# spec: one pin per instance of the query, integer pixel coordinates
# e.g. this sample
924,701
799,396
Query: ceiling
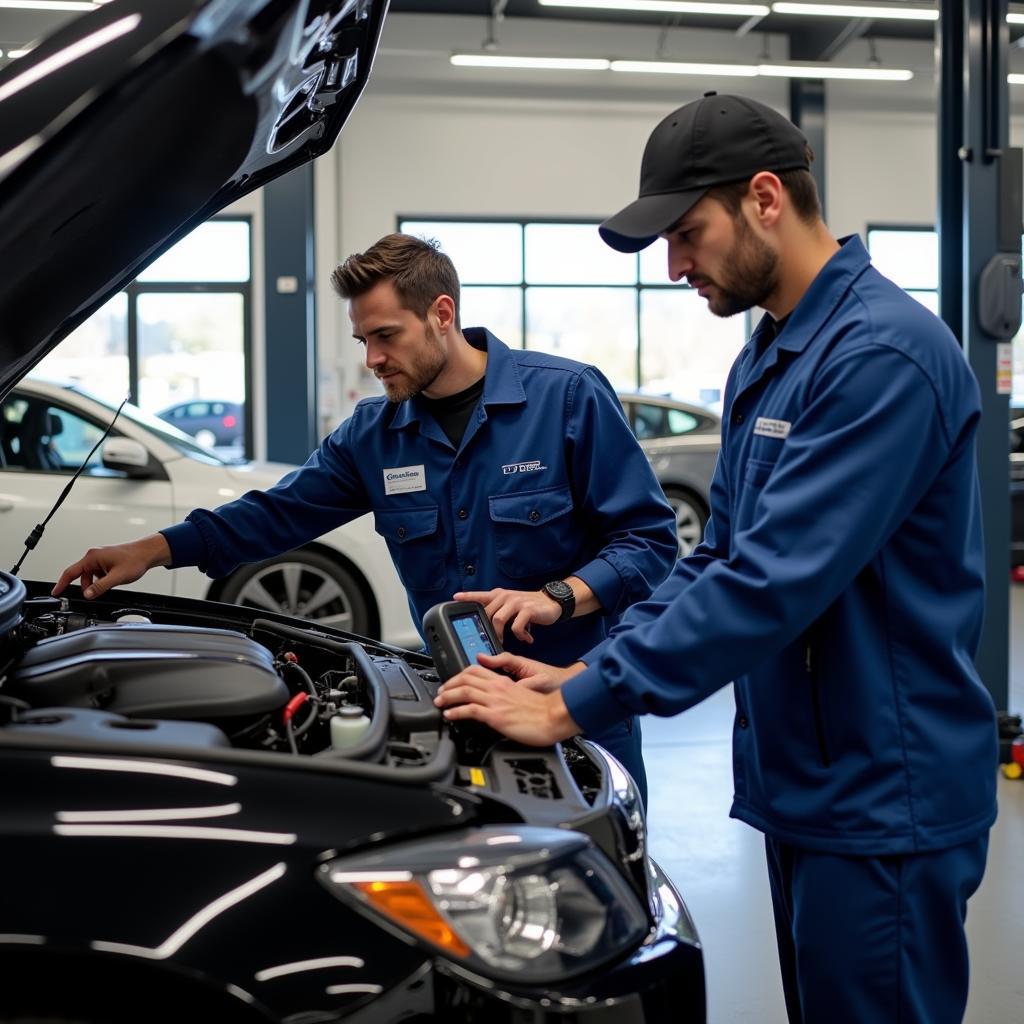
420,35
809,38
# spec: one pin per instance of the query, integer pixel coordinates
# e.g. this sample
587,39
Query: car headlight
530,903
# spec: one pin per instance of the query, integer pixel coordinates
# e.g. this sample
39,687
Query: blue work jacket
547,482
839,583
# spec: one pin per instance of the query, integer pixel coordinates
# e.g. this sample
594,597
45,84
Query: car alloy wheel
207,438
305,584
690,519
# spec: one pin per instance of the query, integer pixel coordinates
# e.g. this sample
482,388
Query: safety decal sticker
403,479
772,428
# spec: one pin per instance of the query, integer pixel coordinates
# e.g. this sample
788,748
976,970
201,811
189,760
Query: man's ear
767,191
444,309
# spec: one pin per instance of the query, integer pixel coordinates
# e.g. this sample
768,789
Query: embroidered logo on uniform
403,479
772,428
523,467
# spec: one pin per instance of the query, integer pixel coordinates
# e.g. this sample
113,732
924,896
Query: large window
910,257
177,339
556,287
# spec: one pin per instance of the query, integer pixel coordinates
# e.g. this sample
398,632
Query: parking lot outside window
180,333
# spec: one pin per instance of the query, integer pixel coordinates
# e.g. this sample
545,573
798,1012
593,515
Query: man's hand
103,568
522,714
518,608
534,675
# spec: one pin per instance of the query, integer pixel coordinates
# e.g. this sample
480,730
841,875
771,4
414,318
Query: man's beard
750,273
423,370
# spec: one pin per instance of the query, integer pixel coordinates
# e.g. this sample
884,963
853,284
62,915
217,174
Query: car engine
166,672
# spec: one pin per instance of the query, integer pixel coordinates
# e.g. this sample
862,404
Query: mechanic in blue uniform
839,583
509,477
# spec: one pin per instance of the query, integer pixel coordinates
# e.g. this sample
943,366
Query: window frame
639,287
244,288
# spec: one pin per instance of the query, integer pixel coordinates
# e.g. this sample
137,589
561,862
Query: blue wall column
290,316
976,227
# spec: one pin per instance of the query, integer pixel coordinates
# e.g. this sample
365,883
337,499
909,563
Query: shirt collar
502,384
826,291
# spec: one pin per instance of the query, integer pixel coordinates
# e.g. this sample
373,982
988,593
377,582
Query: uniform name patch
403,479
771,428
523,467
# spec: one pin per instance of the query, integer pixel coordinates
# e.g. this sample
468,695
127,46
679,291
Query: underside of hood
137,122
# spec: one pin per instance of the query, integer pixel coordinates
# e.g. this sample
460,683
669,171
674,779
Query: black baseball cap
711,141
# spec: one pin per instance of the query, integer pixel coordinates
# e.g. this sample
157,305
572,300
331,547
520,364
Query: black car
214,814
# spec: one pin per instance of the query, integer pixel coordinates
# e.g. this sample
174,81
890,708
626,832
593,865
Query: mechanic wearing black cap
839,583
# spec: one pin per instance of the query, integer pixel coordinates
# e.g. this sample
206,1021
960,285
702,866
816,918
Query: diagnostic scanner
456,632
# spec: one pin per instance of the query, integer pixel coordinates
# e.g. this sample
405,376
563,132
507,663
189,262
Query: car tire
207,438
690,518
305,584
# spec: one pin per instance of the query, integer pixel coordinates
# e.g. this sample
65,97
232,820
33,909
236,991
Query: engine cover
152,671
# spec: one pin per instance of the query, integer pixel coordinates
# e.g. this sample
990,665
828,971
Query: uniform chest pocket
416,548
535,533
755,474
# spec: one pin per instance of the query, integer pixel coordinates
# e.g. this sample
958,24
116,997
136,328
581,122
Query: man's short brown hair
416,267
799,183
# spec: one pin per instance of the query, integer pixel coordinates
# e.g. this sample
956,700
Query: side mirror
126,456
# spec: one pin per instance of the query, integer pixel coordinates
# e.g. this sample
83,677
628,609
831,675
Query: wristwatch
560,592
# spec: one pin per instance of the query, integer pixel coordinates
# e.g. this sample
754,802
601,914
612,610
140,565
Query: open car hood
134,123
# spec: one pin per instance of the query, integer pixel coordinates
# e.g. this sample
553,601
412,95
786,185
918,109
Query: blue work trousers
874,939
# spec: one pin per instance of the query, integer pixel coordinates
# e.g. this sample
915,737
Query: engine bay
175,673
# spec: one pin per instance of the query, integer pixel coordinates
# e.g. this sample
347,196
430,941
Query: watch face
559,590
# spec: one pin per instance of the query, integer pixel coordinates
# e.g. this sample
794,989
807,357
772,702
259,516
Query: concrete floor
718,865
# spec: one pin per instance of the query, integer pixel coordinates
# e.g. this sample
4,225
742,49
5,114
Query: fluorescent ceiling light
828,71
667,67
858,11
18,53
666,7
1015,19
1015,79
49,5
490,60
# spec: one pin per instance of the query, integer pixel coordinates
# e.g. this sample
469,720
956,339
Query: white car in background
147,475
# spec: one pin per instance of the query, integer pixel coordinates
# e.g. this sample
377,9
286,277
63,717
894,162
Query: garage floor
718,864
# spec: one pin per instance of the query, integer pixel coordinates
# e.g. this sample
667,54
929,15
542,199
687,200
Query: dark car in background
220,813
213,424
682,441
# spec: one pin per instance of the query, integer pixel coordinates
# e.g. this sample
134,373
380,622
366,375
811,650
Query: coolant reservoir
348,726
